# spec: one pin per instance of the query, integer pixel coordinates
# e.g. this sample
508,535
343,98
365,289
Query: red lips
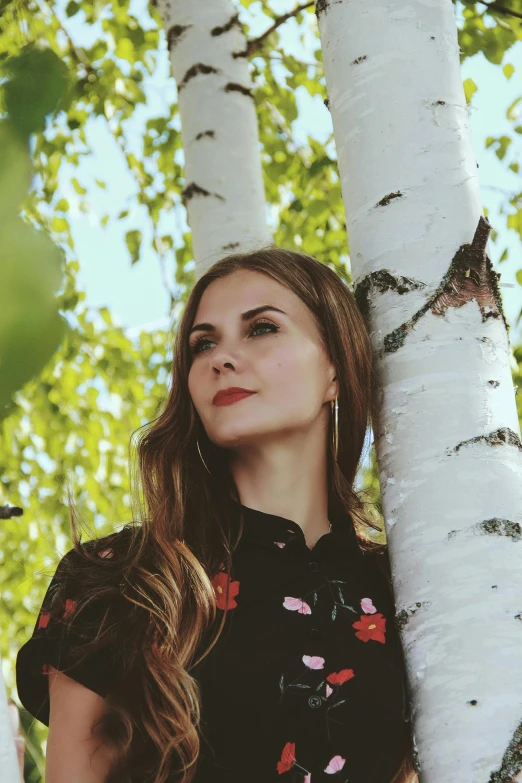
231,390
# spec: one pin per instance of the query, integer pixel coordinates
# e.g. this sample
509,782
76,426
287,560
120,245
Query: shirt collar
274,530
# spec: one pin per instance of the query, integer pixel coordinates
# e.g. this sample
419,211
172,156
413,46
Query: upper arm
73,754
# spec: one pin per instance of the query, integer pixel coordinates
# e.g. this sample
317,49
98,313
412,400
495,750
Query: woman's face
286,367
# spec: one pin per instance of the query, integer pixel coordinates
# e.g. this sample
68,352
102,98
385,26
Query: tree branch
501,9
255,43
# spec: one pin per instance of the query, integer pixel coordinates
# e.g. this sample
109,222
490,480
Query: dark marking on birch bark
321,7
359,59
195,190
402,618
382,281
470,276
232,22
230,246
175,34
491,527
501,437
327,103
495,384
511,761
386,199
193,71
234,87
210,133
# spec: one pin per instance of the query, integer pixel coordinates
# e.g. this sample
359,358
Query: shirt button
314,701
313,566
314,633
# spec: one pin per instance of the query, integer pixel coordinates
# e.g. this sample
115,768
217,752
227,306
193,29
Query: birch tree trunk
224,192
448,440
8,758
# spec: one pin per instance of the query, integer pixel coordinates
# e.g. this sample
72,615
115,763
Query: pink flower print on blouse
43,620
329,690
296,605
280,544
367,606
313,661
373,627
108,552
335,765
308,778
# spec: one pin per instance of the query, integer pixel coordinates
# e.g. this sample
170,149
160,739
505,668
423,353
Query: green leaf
511,114
133,240
72,8
470,88
78,188
508,70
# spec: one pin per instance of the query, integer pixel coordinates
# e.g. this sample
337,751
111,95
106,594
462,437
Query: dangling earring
335,426
201,455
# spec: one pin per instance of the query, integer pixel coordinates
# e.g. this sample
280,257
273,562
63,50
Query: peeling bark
497,527
470,277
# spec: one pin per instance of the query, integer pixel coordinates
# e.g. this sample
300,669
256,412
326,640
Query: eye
197,344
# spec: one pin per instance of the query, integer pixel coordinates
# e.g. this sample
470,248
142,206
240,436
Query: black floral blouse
306,683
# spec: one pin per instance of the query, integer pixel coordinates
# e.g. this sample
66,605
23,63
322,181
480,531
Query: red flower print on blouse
371,627
337,678
70,606
287,758
43,620
219,583
335,765
296,605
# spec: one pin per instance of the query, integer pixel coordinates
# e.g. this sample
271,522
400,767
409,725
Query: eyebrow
246,316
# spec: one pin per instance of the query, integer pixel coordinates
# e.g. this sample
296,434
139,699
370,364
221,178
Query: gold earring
335,427
201,455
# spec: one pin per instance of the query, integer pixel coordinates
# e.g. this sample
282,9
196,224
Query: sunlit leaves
133,241
470,88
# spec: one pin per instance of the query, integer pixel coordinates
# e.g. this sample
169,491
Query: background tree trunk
448,440
224,193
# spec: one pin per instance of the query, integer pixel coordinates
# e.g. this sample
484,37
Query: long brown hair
161,608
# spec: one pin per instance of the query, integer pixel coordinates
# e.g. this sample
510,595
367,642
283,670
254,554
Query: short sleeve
53,641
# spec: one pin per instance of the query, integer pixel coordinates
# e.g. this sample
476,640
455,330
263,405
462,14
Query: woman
244,629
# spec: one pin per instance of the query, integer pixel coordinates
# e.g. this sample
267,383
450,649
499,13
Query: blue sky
136,295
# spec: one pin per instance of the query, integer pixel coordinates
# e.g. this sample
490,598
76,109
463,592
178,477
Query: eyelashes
196,346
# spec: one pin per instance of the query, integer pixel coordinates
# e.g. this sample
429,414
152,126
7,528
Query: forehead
230,296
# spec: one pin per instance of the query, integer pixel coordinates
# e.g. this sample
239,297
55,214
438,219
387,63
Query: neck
287,484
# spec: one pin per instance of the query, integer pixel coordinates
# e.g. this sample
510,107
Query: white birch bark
224,192
9,769
448,439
